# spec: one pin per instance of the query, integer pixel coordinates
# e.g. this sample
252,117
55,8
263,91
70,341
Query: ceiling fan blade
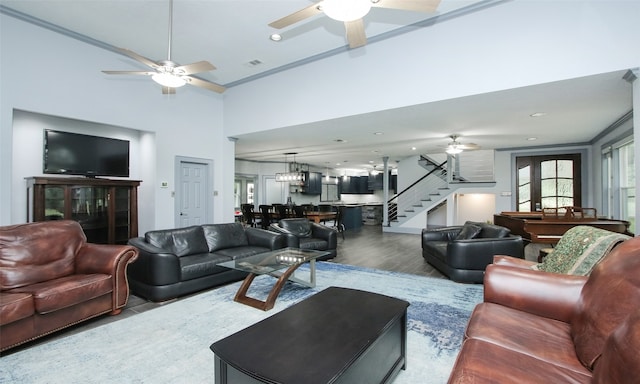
469,147
200,66
142,59
168,91
129,73
204,84
409,5
355,33
293,18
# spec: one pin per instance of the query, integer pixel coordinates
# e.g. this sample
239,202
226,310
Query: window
548,182
619,178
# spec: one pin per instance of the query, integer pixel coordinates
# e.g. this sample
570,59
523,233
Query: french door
550,181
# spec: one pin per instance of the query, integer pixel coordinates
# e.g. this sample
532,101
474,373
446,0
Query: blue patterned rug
170,344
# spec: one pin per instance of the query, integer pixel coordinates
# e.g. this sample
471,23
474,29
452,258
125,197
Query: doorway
194,181
548,182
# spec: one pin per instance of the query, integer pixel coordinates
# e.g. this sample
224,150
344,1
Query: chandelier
289,176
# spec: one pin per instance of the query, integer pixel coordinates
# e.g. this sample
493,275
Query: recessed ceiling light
378,133
275,37
532,138
370,161
413,148
340,141
538,114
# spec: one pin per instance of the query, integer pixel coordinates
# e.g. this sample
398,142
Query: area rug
170,344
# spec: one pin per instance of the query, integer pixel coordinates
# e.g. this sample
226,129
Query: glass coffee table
282,264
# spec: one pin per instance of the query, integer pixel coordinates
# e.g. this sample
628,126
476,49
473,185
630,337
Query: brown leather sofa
539,327
51,278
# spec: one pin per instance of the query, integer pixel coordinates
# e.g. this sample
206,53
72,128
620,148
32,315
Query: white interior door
192,193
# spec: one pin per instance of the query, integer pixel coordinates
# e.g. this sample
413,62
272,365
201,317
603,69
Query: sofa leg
115,312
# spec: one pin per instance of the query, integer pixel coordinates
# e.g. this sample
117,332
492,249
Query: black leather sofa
463,252
175,262
305,234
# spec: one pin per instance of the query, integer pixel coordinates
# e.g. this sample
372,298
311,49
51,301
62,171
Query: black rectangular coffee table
339,335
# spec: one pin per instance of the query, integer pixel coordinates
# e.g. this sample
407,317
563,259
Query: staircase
429,193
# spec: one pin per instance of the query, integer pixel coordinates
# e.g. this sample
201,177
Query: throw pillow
469,231
579,250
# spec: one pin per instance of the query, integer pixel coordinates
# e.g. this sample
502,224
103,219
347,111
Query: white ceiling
232,33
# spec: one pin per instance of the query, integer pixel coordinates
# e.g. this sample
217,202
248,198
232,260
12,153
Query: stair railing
417,191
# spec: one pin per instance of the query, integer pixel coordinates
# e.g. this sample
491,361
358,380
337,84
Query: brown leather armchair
543,327
51,278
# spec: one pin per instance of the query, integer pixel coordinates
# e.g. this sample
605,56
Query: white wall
513,44
510,45
47,73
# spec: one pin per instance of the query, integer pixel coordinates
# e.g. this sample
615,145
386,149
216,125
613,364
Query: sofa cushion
15,306
313,243
201,264
299,227
36,252
620,360
67,291
180,241
579,250
221,236
610,294
545,339
482,362
240,252
469,231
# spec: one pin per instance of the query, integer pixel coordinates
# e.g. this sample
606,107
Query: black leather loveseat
305,234
463,252
174,262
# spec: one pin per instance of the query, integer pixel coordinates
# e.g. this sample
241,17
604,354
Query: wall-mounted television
85,155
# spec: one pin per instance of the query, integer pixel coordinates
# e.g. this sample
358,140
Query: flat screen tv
75,154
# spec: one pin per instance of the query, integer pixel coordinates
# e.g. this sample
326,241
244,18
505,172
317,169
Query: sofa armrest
323,232
447,234
111,260
263,238
154,266
513,261
540,293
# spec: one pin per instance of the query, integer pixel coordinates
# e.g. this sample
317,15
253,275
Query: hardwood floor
367,247
372,248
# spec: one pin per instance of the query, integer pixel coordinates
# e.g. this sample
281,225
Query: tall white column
632,77
385,188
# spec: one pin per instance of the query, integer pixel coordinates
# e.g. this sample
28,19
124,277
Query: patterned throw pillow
579,250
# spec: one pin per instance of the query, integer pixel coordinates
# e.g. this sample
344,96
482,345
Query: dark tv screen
76,154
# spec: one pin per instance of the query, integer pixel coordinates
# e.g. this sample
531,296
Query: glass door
548,182
54,203
89,207
122,214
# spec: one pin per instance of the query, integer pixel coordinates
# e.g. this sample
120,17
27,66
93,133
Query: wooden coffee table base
241,296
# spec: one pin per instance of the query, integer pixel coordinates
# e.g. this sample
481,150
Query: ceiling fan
351,13
456,147
167,72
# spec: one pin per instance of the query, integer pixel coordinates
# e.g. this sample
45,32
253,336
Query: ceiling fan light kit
168,73
351,13
346,10
168,80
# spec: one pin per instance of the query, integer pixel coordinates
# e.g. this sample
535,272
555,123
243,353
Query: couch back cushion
299,227
611,293
180,241
37,252
222,236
